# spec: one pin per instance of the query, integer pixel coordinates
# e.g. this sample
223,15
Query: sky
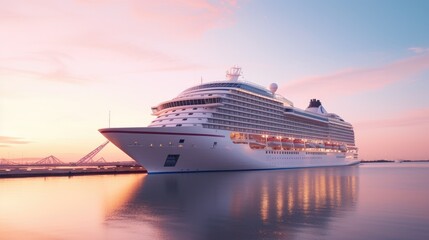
65,64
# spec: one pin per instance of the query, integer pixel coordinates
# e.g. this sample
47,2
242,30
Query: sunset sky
64,64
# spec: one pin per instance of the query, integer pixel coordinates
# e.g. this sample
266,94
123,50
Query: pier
38,171
52,166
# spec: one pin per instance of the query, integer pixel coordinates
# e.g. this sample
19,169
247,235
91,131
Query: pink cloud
48,66
184,18
59,75
163,20
98,34
352,81
415,117
8,141
419,50
151,59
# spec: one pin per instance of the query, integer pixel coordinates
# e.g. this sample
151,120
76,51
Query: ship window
183,109
171,160
181,140
177,114
174,110
195,108
184,119
178,125
190,113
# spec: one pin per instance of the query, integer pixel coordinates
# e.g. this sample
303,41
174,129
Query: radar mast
233,73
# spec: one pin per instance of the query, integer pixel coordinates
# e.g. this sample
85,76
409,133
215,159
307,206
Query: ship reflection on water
231,205
356,202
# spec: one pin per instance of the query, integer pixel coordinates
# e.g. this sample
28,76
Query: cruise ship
234,125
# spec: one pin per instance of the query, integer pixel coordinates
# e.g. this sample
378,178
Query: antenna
109,118
201,80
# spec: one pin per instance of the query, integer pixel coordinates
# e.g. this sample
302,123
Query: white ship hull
195,149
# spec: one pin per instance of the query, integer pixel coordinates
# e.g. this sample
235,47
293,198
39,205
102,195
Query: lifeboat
320,145
256,145
256,141
274,142
329,145
287,143
333,146
298,143
310,145
238,138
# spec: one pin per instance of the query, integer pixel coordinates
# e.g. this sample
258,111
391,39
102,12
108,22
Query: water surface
370,201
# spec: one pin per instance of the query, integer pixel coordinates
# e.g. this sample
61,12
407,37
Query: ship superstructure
236,125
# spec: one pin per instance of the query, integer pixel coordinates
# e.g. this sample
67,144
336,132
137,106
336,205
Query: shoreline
393,161
24,171
57,171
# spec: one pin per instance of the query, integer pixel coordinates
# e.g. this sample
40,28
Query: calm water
372,201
